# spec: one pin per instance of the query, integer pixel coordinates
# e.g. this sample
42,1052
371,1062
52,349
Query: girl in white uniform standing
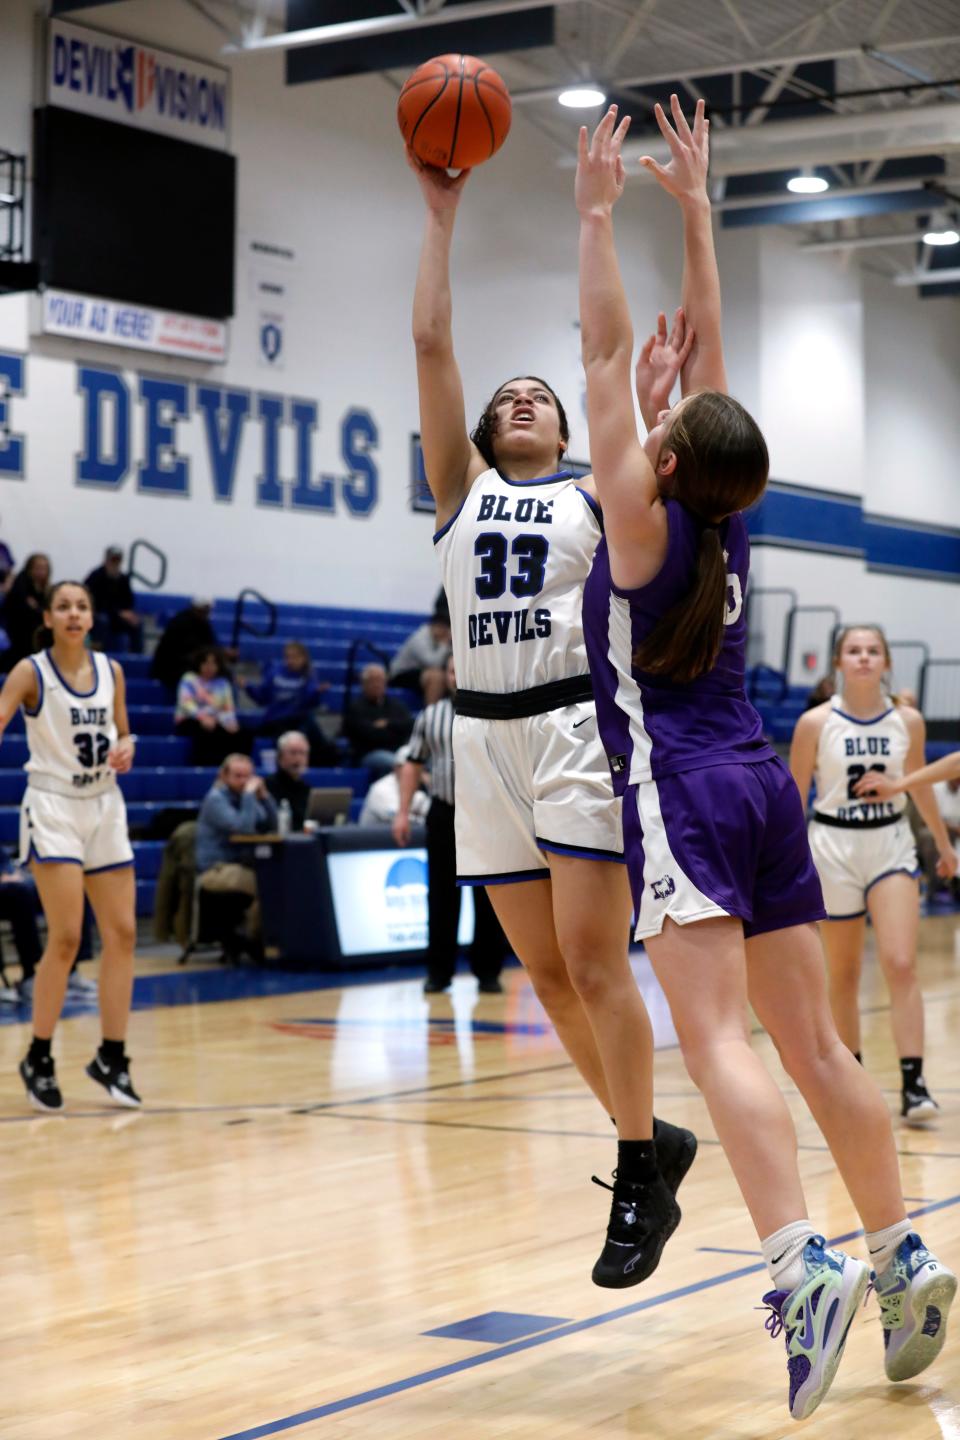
73,834
536,820
863,847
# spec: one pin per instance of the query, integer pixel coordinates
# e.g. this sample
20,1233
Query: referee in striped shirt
432,742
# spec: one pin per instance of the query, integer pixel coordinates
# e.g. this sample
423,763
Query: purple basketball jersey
652,725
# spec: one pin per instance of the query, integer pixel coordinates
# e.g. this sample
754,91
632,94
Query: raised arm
634,519
661,360
685,178
450,460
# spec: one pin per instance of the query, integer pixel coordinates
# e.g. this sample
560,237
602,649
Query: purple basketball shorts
724,840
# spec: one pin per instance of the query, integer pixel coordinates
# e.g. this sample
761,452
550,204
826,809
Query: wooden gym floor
353,1212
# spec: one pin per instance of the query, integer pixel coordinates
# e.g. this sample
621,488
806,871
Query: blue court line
719,1250
455,1367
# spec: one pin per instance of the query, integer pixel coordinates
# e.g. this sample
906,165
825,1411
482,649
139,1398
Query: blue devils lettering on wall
358,436
305,494
270,412
11,445
163,471
108,454
223,433
105,457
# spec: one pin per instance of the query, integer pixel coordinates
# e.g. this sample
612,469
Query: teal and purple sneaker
816,1317
915,1293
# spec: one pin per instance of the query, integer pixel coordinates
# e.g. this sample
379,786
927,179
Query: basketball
454,112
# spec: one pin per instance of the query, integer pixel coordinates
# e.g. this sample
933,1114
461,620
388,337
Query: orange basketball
454,112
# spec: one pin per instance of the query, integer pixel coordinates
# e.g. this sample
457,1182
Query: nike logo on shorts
578,723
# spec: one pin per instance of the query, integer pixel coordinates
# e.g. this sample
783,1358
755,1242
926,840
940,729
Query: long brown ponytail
686,640
721,467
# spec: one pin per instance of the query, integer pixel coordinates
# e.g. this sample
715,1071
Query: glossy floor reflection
356,1212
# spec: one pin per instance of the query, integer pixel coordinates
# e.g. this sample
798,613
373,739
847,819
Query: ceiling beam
929,277
732,66
389,25
865,242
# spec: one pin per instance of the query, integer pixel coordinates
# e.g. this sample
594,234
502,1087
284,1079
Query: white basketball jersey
848,748
70,734
514,560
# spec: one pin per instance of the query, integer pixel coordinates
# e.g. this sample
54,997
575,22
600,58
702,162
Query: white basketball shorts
849,862
528,787
90,831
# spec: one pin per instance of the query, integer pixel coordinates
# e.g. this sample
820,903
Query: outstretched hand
600,172
685,176
661,360
440,190
876,786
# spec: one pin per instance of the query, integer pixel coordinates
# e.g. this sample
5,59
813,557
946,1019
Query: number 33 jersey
847,749
70,734
514,559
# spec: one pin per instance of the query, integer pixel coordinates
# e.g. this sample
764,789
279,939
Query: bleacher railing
758,650
939,695
355,647
240,621
909,658
135,574
794,621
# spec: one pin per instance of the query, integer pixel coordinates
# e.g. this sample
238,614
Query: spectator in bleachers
290,693
116,624
185,634
237,804
287,782
23,607
376,724
6,567
382,801
420,662
206,711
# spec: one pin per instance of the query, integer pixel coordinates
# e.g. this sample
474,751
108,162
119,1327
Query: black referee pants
443,908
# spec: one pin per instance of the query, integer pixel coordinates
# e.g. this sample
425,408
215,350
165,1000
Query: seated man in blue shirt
237,804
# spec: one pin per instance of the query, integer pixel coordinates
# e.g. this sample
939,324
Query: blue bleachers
162,778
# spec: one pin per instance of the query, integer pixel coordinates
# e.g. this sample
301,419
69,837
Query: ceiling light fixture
941,237
807,183
588,97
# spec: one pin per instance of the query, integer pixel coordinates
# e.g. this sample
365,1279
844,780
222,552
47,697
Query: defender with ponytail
725,889
721,466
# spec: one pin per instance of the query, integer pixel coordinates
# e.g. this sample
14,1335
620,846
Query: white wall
913,399
837,371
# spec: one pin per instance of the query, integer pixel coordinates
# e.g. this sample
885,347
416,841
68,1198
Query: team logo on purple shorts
663,888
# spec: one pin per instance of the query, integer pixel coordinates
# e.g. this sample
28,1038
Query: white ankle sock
882,1244
783,1252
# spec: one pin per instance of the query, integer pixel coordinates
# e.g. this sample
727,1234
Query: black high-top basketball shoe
676,1149
643,1216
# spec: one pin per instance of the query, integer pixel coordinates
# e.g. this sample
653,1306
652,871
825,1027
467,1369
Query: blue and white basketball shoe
816,1317
915,1293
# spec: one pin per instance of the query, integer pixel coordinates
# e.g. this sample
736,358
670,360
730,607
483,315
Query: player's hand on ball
685,175
441,191
120,757
600,171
